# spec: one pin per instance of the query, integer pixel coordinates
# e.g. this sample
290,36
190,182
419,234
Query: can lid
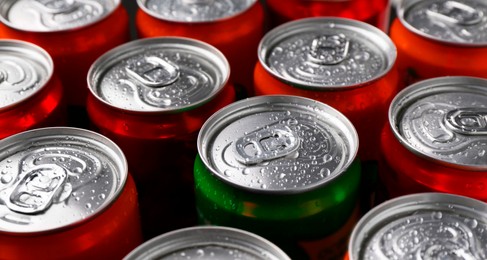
327,53
24,70
445,120
277,144
54,16
54,178
422,226
459,22
194,11
208,242
159,74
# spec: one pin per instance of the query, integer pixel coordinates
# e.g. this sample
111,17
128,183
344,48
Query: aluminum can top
445,120
277,144
459,22
327,53
208,242
195,11
422,226
165,74
54,16
24,70
54,178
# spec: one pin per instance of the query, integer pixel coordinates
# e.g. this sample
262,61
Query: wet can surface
344,63
235,27
31,93
436,139
65,193
422,226
208,243
283,167
151,97
75,33
437,38
375,12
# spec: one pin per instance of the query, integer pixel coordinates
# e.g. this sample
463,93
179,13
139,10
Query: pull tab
266,144
57,6
329,49
36,190
470,121
455,13
154,72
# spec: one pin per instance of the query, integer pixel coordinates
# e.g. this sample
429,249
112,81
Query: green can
283,167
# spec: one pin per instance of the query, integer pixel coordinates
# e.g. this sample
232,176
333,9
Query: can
440,38
283,167
151,96
422,226
436,138
207,242
74,32
235,27
65,194
346,64
375,12
31,93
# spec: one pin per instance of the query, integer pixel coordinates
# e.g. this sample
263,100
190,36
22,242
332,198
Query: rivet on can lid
459,22
24,70
327,53
54,15
192,11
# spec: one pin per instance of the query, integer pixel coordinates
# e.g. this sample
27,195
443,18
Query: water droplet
6,179
246,171
473,223
437,215
102,196
327,158
77,170
88,205
227,173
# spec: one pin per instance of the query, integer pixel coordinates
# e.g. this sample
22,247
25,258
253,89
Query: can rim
115,151
18,44
423,88
288,29
403,8
125,50
237,110
397,207
7,4
142,6
204,236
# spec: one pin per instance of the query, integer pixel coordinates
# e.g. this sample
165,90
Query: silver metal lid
192,11
208,242
461,22
277,144
444,120
53,178
327,53
24,70
54,15
159,74
422,226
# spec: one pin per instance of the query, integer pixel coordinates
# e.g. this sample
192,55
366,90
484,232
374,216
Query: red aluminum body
237,37
374,12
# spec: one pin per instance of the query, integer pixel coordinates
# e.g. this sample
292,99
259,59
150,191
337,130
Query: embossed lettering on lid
24,70
159,74
444,119
52,178
327,53
195,10
462,22
278,144
54,15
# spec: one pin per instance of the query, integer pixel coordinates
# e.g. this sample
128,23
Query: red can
436,139
151,97
344,63
31,93
374,12
235,27
75,33
440,38
66,194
